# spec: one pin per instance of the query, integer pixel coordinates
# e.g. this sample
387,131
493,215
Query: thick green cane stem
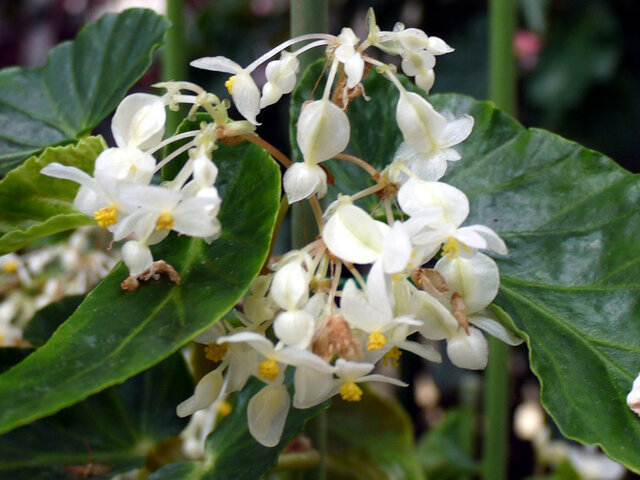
174,65
502,90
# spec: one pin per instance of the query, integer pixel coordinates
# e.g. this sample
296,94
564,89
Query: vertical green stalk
174,66
502,90
309,16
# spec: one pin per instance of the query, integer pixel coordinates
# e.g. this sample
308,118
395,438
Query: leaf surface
33,205
82,82
115,334
571,281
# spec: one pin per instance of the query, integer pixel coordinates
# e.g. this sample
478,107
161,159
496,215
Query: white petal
356,308
270,94
217,64
633,398
323,131
476,278
425,80
352,235
417,195
418,121
205,172
302,358
396,249
490,239
294,328
425,351
384,379
352,371
290,286
266,414
468,351
302,180
311,387
246,96
437,46
125,164
206,392
429,167
493,327
438,322
414,62
139,121
136,256
456,131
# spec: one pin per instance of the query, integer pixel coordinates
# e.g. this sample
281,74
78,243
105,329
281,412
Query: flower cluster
120,194
427,278
33,280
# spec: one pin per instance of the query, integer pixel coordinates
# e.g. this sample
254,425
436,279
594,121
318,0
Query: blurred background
579,76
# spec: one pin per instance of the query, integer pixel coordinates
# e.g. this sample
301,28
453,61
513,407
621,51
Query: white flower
266,414
281,78
323,131
125,165
206,392
136,256
347,54
243,90
304,179
139,121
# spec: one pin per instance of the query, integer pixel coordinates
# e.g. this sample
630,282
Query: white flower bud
281,78
468,351
137,257
294,328
290,286
302,180
323,131
139,121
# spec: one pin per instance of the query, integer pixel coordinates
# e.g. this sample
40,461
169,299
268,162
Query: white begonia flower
591,464
259,306
322,131
243,90
206,392
347,54
97,197
266,414
162,210
139,121
633,398
136,256
353,236
290,285
428,132
419,64
302,180
281,78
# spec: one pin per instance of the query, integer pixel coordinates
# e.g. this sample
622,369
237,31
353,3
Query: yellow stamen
106,216
376,340
224,409
215,352
392,356
229,84
10,267
165,221
452,247
268,369
350,392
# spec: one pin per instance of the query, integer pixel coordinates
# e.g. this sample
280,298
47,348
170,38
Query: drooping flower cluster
427,278
36,278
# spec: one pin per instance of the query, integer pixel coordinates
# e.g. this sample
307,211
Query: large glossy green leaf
108,433
371,440
115,334
231,451
33,206
571,281
82,82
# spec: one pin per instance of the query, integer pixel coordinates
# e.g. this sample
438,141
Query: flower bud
323,131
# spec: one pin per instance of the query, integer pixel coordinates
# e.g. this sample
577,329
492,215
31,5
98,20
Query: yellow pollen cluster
229,84
268,369
452,247
165,221
392,356
350,392
106,216
224,408
376,340
215,352
10,267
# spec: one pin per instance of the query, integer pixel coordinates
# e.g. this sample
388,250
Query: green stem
502,90
174,66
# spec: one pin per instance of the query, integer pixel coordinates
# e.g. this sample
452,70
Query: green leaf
82,82
115,334
231,451
35,205
571,281
440,450
371,440
108,433
46,321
